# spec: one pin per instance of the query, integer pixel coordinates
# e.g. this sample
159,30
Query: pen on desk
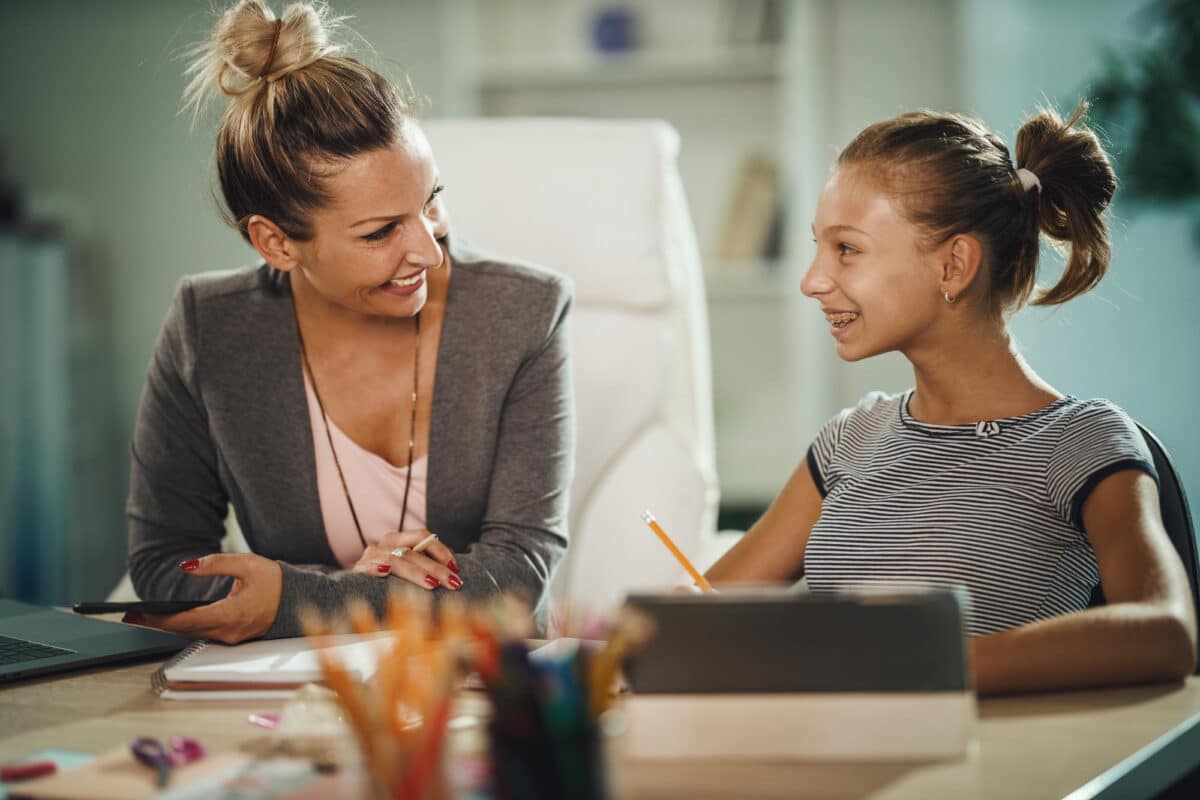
700,580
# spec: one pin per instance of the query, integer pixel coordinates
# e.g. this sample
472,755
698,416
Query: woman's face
878,288
373,243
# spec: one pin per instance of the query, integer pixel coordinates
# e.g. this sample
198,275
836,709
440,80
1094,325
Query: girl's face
373,243
879,289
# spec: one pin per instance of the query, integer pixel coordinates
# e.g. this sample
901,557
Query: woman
373,381
983,475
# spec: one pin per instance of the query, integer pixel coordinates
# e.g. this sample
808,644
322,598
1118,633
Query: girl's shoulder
874,409
875,403
870,416
1099,419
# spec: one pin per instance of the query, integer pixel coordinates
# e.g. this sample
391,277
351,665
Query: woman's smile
403,287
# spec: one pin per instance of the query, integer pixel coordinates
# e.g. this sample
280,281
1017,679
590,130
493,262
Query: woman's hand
432,568
245,613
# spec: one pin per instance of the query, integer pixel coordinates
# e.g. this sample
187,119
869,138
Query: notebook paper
265,669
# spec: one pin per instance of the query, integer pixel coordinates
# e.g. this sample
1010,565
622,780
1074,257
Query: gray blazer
224,419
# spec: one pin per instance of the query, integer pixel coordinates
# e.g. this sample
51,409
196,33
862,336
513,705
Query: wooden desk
1107,744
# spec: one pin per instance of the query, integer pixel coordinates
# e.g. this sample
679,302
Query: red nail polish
455,582
383,569
190,565
432,581
453,567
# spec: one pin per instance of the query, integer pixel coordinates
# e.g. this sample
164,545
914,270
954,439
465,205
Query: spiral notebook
265,669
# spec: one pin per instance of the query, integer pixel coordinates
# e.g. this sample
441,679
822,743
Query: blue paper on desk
253,780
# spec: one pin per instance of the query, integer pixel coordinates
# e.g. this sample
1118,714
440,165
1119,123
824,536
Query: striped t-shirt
994,506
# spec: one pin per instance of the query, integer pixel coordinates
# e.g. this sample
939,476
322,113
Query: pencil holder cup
529,766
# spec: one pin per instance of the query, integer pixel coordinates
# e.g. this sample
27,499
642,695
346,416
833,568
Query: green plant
1148,104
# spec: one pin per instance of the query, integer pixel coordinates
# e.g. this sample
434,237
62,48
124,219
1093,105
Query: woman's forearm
488,568
518,562
155,552
1124,643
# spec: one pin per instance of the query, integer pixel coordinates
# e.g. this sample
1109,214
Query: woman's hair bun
297,105
250,47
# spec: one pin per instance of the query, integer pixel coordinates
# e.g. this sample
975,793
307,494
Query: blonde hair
952,175
297,109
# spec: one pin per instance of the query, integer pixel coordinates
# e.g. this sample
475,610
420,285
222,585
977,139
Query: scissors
179,750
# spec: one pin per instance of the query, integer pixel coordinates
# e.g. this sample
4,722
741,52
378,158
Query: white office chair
602,201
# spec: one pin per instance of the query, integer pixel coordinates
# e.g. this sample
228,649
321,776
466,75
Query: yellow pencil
700,580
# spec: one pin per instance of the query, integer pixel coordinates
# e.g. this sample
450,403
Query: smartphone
140,607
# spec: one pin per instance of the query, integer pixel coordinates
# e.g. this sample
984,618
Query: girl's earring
949,299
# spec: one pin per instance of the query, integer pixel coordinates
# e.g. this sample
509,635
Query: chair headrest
588,198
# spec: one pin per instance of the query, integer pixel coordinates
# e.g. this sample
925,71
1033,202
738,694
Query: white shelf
624,69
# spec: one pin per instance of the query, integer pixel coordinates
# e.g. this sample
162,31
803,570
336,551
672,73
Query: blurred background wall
114,198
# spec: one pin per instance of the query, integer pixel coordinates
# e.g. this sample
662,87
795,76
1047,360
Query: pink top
375,485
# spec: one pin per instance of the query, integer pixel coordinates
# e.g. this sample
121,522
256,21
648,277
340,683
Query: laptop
37,641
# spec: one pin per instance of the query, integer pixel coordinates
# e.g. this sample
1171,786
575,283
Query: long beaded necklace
412,427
